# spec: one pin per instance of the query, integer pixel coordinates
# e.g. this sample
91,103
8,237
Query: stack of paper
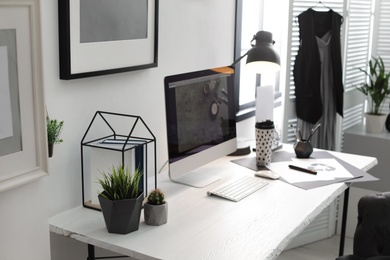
327,169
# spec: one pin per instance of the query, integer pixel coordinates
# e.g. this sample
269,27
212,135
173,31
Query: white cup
264,139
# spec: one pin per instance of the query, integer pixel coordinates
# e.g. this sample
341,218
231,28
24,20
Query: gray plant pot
156,215
121,216
375,123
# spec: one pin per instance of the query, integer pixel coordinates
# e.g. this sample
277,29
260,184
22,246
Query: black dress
318,75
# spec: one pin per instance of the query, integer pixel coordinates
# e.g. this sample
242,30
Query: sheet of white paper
330,167
6,129
293,176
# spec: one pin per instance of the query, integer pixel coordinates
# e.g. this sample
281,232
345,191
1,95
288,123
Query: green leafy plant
120,184
377,86
156,197
54,129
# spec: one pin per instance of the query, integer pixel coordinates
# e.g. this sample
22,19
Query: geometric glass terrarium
113,139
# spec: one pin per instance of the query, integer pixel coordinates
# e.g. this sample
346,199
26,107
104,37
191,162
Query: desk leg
91,252
344,222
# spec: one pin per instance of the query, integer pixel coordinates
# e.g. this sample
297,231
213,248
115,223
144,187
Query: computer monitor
201,123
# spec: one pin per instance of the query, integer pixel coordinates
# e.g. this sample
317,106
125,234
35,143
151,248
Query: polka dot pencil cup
264,139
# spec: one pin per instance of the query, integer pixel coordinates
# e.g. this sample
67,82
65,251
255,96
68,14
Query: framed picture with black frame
23,140
100,37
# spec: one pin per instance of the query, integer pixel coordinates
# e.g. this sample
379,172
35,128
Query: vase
121,216
156,215
375,123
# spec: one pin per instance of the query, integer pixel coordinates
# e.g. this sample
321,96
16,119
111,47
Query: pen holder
303,149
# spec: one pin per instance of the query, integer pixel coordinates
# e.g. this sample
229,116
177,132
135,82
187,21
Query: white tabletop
202,227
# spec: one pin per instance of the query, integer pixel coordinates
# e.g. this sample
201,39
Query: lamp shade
263,57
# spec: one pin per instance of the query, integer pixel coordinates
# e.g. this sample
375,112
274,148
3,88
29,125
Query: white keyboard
238,189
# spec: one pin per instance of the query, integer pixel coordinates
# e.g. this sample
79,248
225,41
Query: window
253,16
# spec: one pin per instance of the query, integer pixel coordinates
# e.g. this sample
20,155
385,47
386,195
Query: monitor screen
201,122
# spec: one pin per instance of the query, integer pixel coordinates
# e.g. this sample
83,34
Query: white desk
201,227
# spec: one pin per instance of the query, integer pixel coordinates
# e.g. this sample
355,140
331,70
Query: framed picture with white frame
100,37
23,141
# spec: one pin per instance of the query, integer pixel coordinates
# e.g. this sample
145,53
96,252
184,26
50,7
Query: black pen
302,169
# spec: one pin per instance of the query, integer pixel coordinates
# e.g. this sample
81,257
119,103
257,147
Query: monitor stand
198,178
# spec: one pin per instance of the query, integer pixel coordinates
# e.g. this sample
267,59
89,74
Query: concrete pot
375,123
156,215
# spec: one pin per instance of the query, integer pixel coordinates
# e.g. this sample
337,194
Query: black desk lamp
262,57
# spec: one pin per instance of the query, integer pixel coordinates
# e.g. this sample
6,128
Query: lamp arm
236,61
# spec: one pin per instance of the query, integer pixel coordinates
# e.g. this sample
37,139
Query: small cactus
156,197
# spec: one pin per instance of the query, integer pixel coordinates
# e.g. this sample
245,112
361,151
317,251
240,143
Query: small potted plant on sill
121,199
156,208
54,129
376,89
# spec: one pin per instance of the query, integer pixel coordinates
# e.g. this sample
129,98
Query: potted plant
121,199
376,89
54,129
156,208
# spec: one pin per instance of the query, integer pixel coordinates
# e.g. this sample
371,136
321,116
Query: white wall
24,230
193,35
